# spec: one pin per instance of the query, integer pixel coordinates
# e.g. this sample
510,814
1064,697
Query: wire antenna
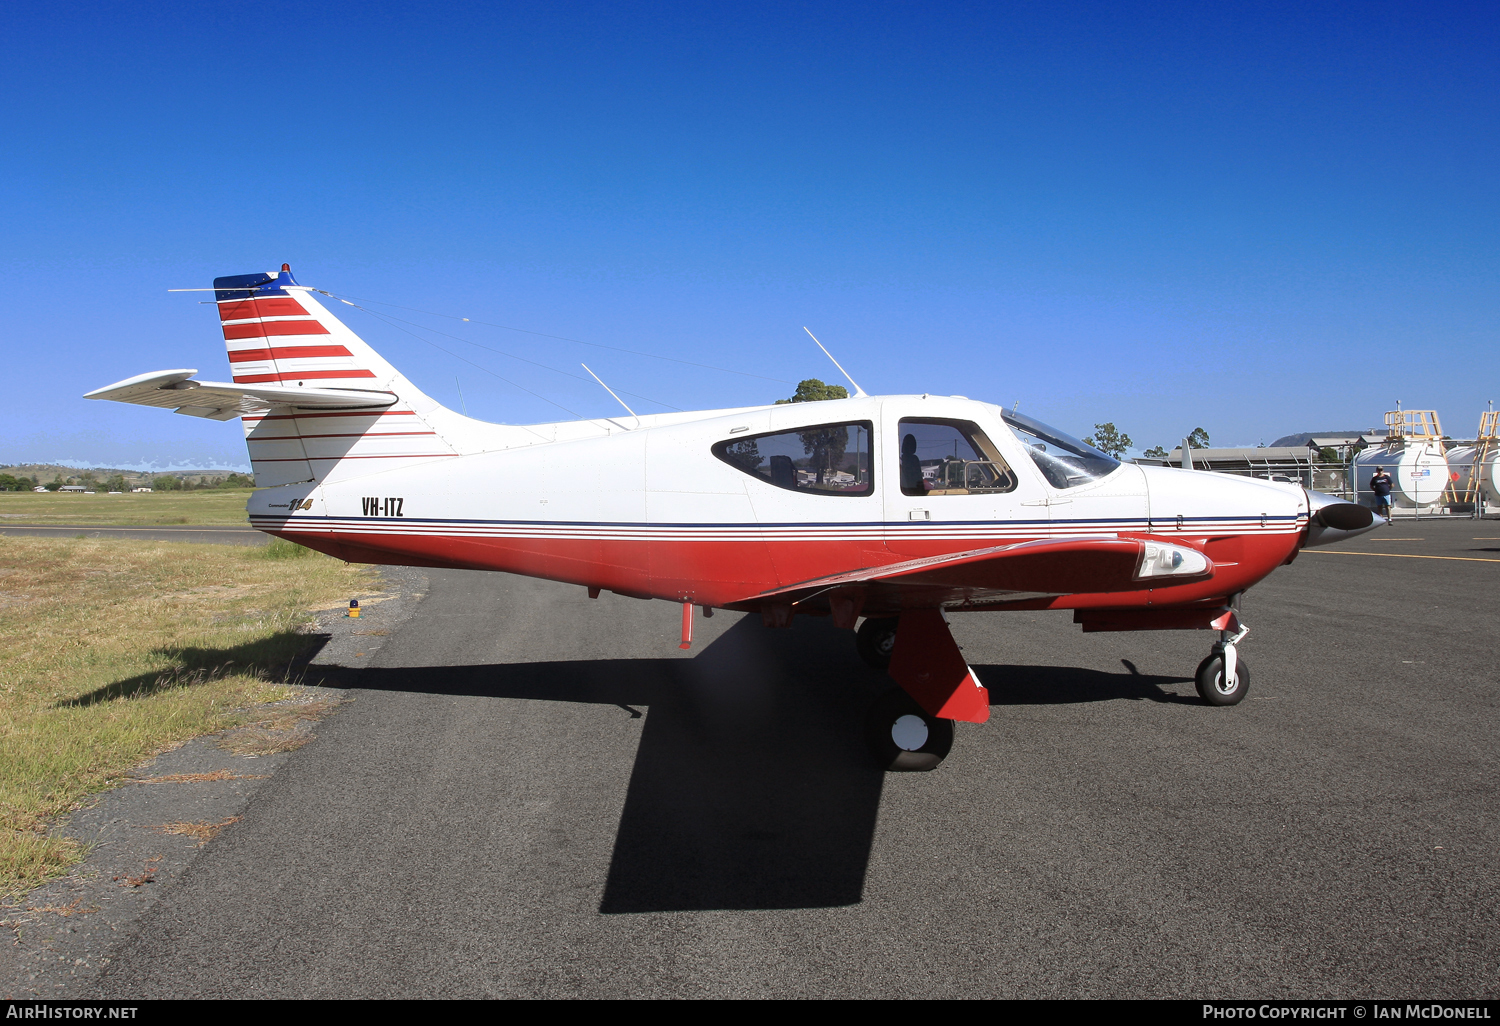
859,393
611,391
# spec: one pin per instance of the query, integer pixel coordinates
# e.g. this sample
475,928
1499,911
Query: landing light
1171,561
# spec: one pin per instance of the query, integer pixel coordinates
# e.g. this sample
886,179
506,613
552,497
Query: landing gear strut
910,727
1223,678
903,737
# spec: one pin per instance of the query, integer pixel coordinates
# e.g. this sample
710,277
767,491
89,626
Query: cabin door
949,488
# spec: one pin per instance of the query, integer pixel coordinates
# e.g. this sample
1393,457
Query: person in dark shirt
1380,484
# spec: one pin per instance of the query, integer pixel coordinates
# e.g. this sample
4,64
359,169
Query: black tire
884,721
1210,681
875,639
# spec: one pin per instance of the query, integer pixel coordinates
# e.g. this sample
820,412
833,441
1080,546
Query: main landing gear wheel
903,737
1211,684
875,639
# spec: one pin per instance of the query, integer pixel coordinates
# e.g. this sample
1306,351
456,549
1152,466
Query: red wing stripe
392,456
285,353
263,329
342,413
250,379
357,434
276,306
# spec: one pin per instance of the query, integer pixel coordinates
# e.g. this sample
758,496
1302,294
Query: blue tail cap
251,286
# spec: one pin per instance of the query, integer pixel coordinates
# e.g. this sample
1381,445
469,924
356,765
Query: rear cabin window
950,457
827,459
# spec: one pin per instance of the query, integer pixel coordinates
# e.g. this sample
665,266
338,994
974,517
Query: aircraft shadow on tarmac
1068,685
752,787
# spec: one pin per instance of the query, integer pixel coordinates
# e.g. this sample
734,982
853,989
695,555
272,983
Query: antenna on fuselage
611,391
859,393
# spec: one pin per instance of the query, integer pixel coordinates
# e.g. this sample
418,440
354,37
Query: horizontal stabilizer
219,400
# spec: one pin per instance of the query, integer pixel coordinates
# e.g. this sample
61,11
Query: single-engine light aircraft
886,513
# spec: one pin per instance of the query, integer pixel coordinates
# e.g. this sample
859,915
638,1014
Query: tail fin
318,404
280,336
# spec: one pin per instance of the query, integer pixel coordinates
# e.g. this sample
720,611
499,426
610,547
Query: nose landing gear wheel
1211,685
903,737
875,639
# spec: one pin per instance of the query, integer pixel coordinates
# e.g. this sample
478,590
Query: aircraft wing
219,400
1061,566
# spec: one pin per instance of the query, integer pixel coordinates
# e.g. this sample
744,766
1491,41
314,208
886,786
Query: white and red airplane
894,510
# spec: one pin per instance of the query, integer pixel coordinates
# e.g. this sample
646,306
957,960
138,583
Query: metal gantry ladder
1485,444
1413,425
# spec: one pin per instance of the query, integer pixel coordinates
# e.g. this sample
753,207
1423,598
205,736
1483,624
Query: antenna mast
859,393
611,391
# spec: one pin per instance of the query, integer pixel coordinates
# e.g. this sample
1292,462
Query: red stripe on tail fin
285,353
275,306
264,329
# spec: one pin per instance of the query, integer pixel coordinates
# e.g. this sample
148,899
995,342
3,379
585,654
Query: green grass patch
113,651
209,508
280,548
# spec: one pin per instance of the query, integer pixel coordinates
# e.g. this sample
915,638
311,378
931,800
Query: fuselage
720,507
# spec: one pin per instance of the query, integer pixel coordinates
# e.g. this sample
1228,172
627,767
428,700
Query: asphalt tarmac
538,795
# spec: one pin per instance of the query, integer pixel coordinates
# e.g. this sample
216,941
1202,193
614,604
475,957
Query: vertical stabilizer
278,334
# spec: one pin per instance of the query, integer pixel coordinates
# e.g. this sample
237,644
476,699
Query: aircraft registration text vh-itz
886,513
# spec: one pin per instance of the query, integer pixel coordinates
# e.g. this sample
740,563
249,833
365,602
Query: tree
57,482
115,483
167,484
1156,452
812,390
826,447
1198,439
1109,440
744,454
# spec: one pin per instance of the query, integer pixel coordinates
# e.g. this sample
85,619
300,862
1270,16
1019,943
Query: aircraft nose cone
1333,519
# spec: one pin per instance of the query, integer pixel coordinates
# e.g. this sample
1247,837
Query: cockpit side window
950,457
1063,460
826,459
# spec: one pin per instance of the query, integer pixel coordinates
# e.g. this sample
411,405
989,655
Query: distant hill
46,472
1302,438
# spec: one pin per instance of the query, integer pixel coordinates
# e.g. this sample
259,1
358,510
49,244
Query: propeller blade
1345,516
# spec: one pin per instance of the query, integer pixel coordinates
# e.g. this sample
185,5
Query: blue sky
1258,218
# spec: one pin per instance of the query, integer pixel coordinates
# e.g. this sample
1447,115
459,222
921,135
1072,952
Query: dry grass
203,832
198,778
74,909
113,651
149,876
206,508
287,728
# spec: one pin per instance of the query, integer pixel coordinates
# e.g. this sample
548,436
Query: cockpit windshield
1063,460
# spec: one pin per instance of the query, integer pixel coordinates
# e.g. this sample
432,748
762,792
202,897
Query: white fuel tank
1419,472
1461,470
